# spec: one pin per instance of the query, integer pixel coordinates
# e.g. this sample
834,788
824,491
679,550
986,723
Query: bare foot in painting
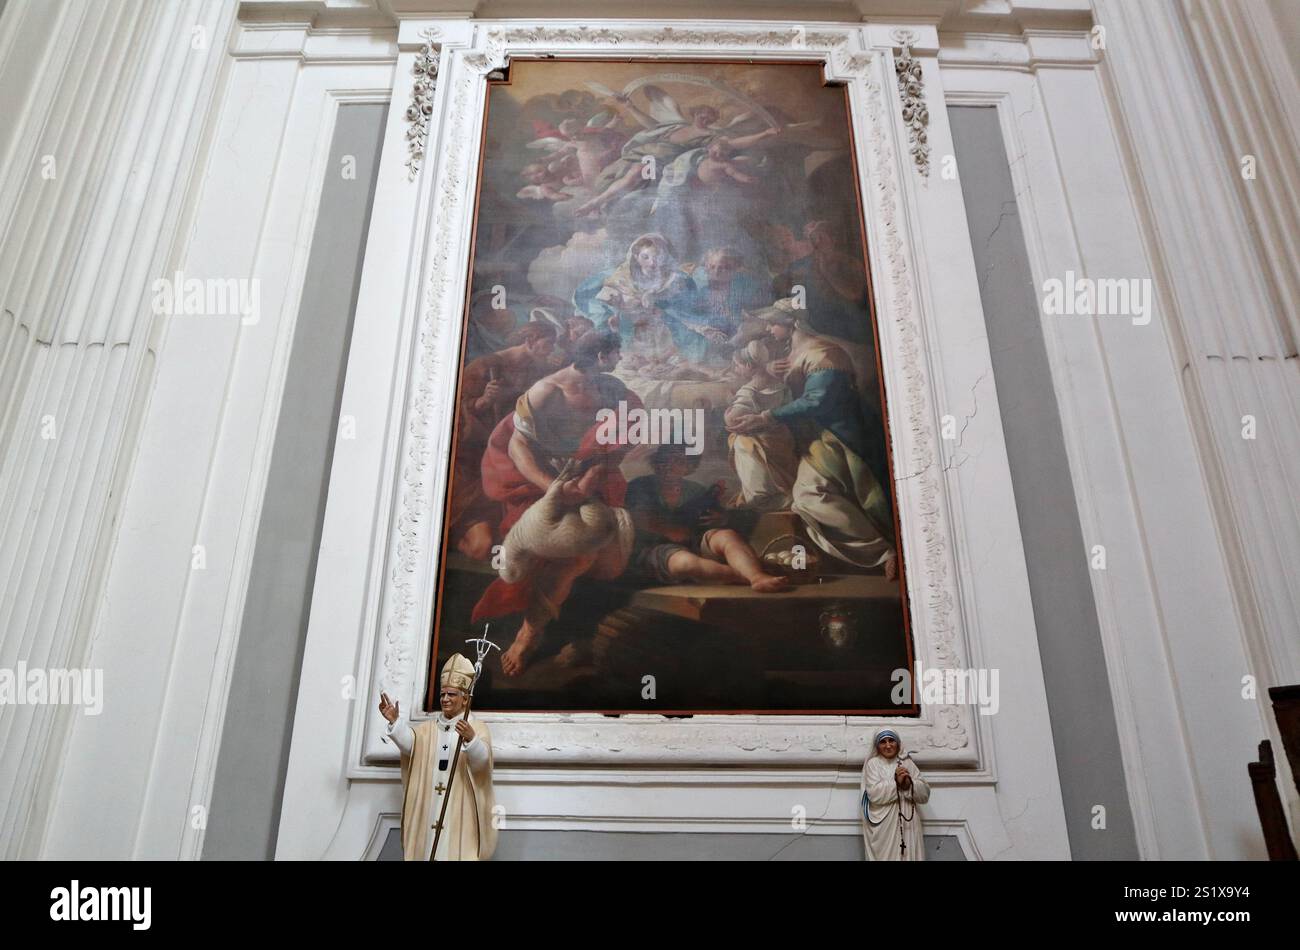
891,567
526,642
742,562
767,584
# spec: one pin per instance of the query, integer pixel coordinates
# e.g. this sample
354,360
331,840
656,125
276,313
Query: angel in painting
573,154
666,135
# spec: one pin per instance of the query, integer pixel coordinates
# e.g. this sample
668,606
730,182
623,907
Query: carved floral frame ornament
942,735
911,92
425,71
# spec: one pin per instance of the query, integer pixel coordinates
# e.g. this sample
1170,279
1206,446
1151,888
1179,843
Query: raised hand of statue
465,730
902,777
387,708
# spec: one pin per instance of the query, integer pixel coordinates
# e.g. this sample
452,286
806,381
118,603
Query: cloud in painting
558,270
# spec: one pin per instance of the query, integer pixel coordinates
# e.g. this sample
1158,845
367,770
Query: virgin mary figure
892,787
651,302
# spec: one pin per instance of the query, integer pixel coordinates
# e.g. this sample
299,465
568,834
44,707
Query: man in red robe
490,387
554,422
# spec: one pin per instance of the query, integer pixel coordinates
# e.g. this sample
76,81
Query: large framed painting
670,475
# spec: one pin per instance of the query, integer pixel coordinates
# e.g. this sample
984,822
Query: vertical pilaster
94,174
1193,98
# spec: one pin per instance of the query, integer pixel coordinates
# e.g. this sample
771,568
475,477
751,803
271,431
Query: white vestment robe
882,812
469,833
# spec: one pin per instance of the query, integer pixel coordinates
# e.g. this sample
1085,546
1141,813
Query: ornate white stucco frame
372,601
944,734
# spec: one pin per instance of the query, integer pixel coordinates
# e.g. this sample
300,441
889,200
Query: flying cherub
573,154
667,133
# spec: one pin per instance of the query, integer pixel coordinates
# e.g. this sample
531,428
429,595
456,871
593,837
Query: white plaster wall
166,633
1089,148
104,108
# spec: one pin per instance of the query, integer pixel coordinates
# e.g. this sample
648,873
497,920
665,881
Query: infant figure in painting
892,787
721,162
764,460
841,485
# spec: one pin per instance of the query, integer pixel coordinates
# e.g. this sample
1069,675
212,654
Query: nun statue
892,787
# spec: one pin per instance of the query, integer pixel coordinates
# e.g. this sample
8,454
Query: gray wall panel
1069,637
244,812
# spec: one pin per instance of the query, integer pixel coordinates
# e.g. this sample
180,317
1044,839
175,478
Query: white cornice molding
1011,16
963,33
303,41
1025,52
